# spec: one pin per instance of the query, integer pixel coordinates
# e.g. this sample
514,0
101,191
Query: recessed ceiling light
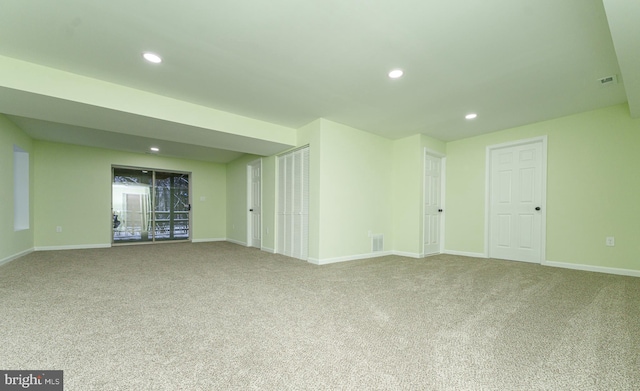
152,57
471,116
154,149
396,73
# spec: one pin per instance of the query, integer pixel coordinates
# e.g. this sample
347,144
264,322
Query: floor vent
377,243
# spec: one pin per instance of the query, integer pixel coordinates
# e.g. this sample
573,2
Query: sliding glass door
172,207
150,205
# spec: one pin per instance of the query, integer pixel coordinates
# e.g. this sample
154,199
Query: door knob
439,210
250,210
537,208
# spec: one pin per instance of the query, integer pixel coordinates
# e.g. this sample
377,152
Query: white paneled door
254,173
293,204
516,201
432,204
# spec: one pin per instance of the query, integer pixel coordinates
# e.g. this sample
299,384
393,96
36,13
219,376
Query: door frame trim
543,180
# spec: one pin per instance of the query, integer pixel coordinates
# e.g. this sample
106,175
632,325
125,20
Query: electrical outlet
59,228
611,241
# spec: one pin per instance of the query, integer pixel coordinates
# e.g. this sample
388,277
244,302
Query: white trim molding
206,240
408,254
327,261
72,247
591,268
15,256
237,242
269,250
465,254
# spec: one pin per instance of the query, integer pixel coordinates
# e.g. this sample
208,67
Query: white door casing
254,198
432,206
517,200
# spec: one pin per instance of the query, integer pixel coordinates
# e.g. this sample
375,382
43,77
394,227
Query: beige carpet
218,316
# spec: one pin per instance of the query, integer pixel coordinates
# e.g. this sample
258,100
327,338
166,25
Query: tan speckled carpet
218,316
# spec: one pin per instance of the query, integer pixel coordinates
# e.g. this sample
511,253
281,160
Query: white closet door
304,210
293,204
255,204
516,196
301,207
432,204
282,201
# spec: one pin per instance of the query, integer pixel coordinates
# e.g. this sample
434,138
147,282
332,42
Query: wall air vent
608,81
377,243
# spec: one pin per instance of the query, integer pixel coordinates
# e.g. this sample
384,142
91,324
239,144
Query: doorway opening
150,206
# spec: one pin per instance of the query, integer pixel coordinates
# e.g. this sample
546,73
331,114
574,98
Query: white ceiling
289,62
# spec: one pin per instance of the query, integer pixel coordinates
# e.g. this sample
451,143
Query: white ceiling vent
608,81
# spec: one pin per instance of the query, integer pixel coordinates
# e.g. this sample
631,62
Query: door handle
537,208
440,210
250,210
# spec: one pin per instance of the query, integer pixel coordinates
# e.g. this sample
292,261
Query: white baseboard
237,242
15,256
207,240
591,268
73,247
327,261
407,254
565,265
465,254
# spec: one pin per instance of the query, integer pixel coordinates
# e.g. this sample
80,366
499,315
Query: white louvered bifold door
293,204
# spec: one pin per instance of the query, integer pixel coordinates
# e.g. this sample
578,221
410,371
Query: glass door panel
172,208
131,205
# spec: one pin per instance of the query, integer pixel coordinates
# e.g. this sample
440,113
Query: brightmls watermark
31,380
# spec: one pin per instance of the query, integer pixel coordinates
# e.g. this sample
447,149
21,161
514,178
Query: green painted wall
73,190
350,175
593,188
13,242
355,191
310,135
269,203
433,145
408,157
237,193
359,183
407,195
